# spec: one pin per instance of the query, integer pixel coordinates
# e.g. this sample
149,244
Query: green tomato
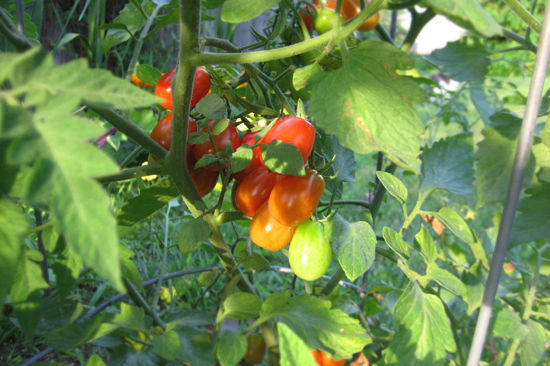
309,253
324,20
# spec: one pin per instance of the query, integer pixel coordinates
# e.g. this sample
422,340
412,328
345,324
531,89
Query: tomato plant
162,133
294,130
201,86
294,198
310,252
255,190
255,350
267,233
228,135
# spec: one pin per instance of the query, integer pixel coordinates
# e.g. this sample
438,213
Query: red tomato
204,180
294,130
349,9
268,233
248,139
308,20
162,133
329,361
201,86
317,356
255,350
230,134
255,190
294,198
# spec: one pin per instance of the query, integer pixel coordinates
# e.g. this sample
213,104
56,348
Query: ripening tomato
204,180
201,86
255,350
230,134
310,252
349,9
234,194
255,190
308,20
317,356
294,130
162,133
248,139
294,198
267,233
329,361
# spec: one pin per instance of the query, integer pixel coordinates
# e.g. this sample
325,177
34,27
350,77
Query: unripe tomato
203,179
324,20
294,198
255,190
309,253
255,351
349,9
248,139
230,134
267,233
162,133
294,130
201,86
329,361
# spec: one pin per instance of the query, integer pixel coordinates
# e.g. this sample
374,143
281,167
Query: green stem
383,34
348,28
135,172
131,157
140,41
415,211
134,294
374,206
519,39
524,14
164,257
37,229
363,204
229,216
401,5
417,24
131,130
12,34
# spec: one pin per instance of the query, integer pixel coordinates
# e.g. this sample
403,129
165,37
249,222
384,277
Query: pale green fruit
309,252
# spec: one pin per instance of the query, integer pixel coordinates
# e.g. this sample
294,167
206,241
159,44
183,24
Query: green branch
401,5
417,24
156,168
131,130
136,297
524,14
12,34
519,39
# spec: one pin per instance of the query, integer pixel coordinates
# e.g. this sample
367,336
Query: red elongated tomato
220,141
294,198
294,130
203,179
329,361
201,86
317,356
248,139
255,351
255,190
162,133
267,233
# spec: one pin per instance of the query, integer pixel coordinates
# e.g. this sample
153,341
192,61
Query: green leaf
241,158
508,324
531,222
468,14
532,348
129,316
77,201
369,106
316,324
542,154
394,241
67,268
95,360
191,318
301,75
283,158
231,348
12,223
422,331
192,235
256,262
238,11
455,223
462,60
293,350
212,107
167,345
56,312
149,201
343,167
148,74
495,157
128,267
77,334
473,280
394,186
133,19
95,87
219,126
427,245
206,160
197,138
173,16
485,100
196,347
448,164
354,245
15,120
207,279
25,294
445,279
242,306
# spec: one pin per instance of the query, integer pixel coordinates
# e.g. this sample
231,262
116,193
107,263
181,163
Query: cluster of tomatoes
323,21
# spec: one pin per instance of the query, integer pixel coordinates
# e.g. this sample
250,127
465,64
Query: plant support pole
514,189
